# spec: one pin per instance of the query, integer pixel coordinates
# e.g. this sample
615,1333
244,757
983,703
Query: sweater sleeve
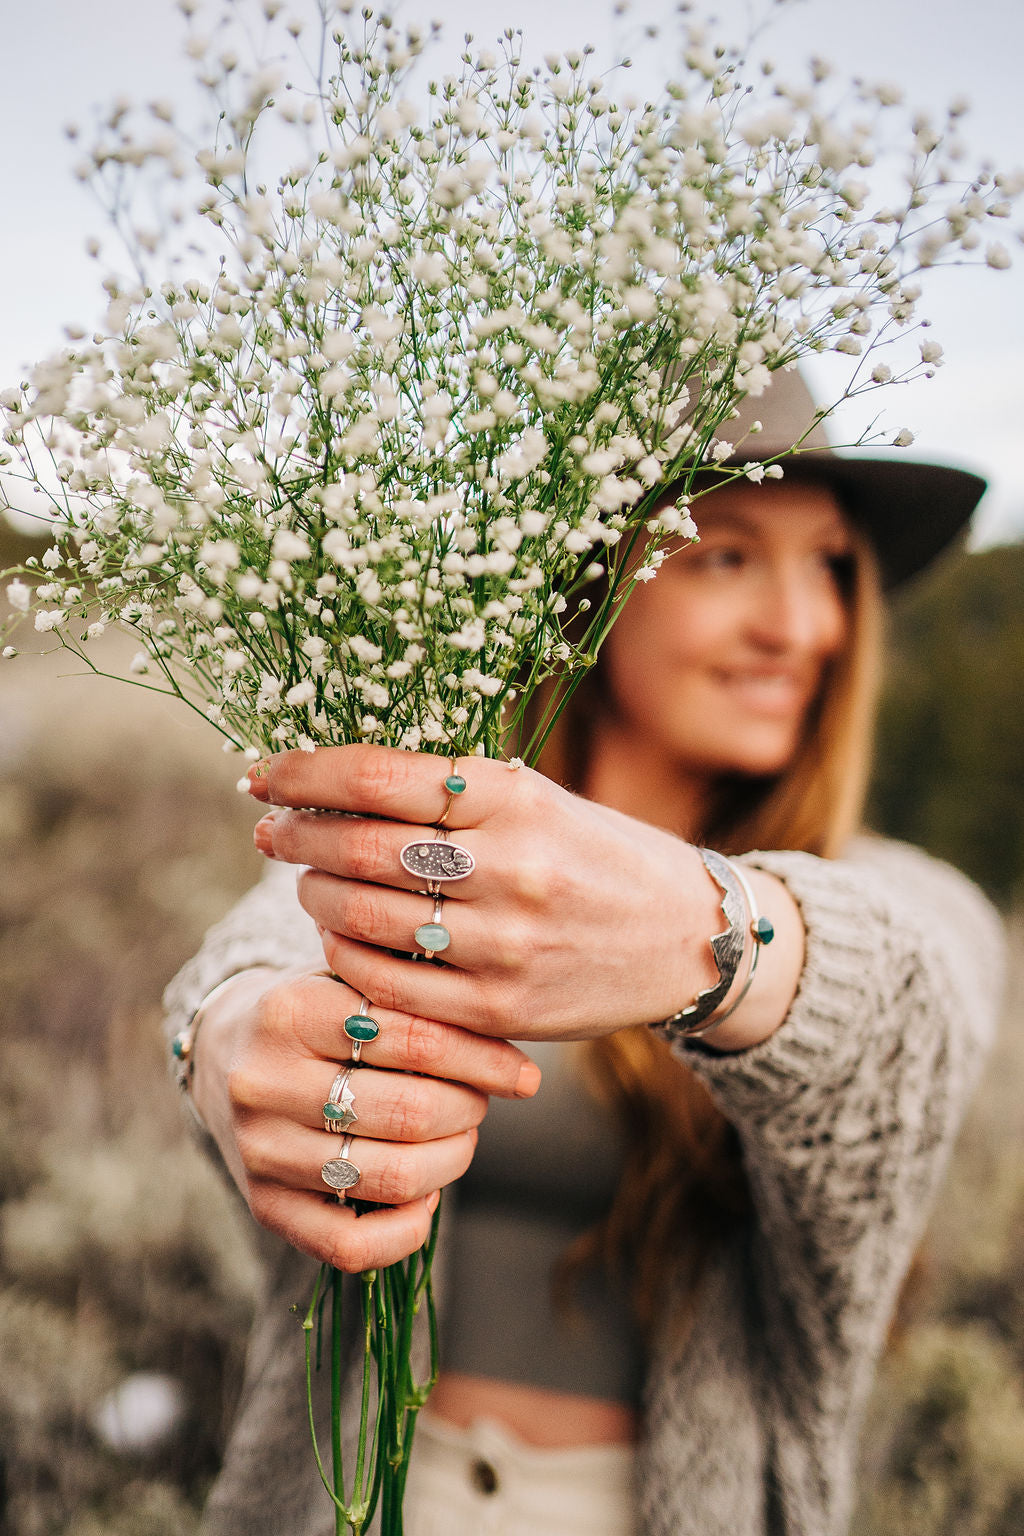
847,1113
267,927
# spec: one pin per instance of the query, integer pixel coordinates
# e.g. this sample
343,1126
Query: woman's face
716,663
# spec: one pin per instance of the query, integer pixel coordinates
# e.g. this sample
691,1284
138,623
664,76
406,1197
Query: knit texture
846,1116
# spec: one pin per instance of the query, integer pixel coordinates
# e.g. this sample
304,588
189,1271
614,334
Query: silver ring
339,1110
339,1173
437,859
361,1029
433,935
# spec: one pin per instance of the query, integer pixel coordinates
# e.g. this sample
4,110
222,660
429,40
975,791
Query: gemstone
339,1173
763,930
433,936
338,1112
455,784
437,860
181,1045
359,1026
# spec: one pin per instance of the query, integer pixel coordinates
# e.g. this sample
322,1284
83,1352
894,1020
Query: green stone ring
339,1110
433,935
763,930
360,1029
455,784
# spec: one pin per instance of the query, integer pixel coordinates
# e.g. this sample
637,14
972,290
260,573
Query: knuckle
364,913
501,1010
369,850
261,1202
244,1087
394,1178
423,1043
253,1150
411,1115
515,948
535,879
373,772
388,993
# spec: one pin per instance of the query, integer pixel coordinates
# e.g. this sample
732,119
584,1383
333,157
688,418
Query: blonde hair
683,1187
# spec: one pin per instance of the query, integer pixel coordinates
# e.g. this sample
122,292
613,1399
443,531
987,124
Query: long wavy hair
683,1188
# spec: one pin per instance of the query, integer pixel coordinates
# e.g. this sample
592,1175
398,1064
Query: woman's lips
768,692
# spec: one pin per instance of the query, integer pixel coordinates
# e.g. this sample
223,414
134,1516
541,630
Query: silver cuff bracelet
728,948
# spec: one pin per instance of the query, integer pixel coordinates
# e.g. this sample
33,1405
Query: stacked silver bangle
745,934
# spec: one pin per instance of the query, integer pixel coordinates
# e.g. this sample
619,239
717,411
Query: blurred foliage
121,1248
950,769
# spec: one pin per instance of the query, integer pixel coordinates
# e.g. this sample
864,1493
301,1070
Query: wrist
213,1018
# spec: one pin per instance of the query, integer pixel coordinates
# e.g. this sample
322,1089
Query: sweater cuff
837,998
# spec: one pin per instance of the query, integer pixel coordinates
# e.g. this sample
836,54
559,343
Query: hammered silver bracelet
728,948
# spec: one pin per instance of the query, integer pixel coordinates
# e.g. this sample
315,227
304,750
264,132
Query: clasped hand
575,921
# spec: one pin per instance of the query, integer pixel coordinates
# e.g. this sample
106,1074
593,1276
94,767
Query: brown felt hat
909,510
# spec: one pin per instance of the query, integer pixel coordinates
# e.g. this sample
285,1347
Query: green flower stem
338,1466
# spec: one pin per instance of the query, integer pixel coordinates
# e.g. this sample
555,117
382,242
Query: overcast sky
63,57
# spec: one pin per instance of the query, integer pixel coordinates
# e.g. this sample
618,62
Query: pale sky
63,57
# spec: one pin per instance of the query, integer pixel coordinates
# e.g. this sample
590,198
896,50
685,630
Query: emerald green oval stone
763,930
455,784
433,936
359,1026
336,1112
179,1046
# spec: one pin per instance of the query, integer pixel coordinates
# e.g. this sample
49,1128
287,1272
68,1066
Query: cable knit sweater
846,1116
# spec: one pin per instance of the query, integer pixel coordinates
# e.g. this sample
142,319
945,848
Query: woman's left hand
575,920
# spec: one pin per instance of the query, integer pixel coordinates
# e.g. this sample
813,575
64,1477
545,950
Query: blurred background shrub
126,1268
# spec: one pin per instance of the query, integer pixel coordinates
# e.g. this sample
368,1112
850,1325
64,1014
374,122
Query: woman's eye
723,558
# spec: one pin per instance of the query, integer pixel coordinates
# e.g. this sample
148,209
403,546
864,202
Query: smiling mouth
768,692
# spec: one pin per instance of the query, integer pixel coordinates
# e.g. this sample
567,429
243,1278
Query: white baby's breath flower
50,618
19,595
903,439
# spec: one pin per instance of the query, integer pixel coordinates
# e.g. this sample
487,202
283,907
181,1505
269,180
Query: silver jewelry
183,1050
438,859
762,932
433,935
339,1110
339,1173
361,1029
727,948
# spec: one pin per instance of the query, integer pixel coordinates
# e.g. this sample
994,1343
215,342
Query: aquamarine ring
433,935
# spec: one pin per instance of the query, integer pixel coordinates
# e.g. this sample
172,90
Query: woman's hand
266,1055
575,921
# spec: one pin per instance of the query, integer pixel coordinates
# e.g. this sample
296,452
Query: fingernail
258,775
433,1201
528,1080
263,835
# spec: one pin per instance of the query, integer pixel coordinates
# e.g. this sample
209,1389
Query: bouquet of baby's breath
350,470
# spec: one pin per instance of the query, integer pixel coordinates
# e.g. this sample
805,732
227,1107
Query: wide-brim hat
910,510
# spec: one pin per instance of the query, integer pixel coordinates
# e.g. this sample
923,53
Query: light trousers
483,1481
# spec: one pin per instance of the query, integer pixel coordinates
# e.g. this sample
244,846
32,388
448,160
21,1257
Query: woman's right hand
265,1057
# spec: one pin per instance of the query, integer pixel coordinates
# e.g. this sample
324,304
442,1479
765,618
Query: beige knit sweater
846,1116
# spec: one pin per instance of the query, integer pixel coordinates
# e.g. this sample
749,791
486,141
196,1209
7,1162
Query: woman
667,1276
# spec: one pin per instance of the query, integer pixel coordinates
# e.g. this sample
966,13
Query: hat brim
910,511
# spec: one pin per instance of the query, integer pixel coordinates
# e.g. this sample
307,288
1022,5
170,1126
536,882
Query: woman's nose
799,612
